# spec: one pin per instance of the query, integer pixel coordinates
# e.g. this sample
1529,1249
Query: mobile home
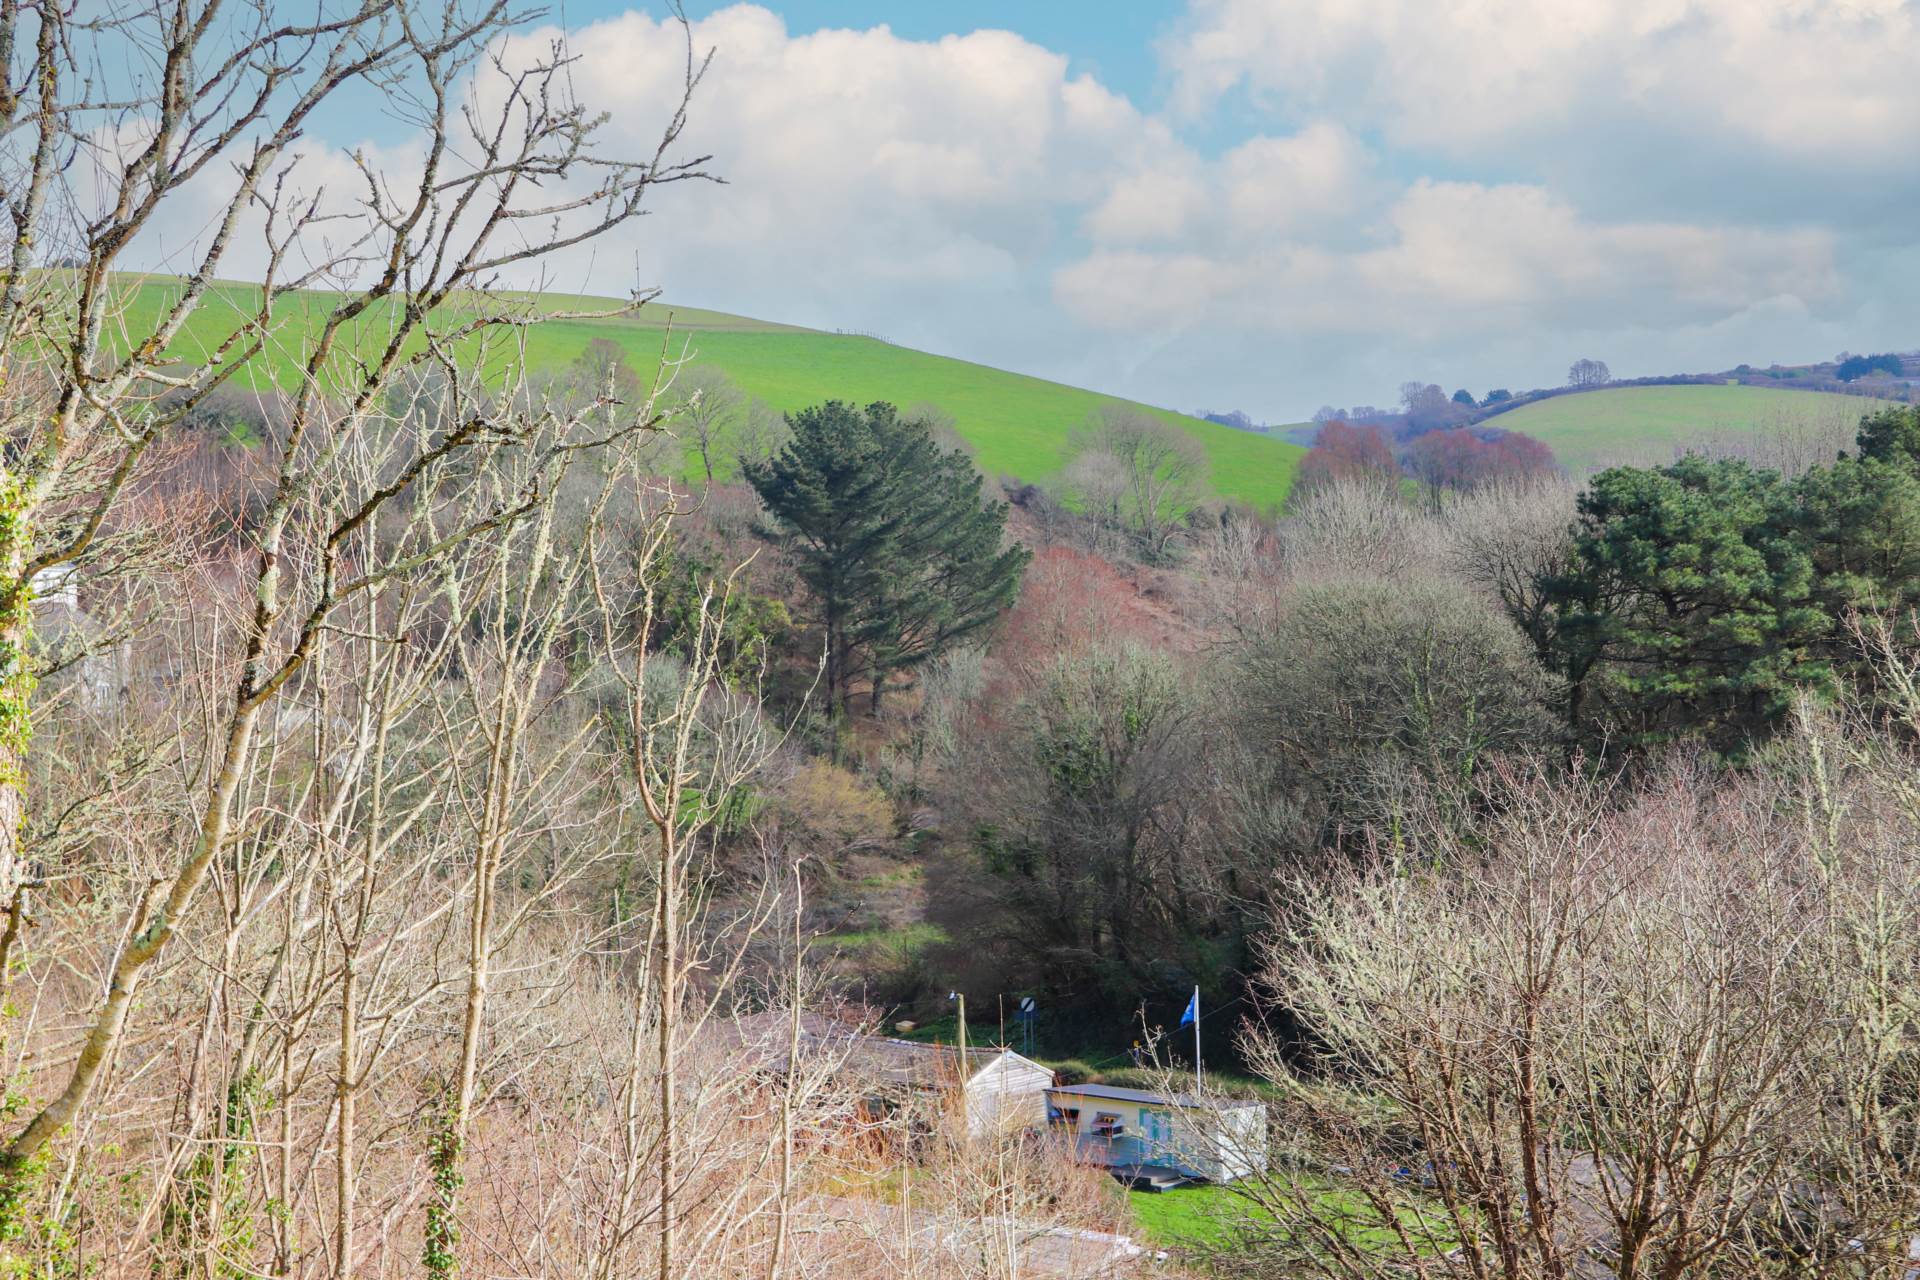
1135,1130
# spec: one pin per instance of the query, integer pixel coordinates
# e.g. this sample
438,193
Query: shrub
1364,691
1073,1071
829,811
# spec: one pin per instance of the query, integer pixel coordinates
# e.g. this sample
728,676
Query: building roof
765,1037
1147,1098
911,1062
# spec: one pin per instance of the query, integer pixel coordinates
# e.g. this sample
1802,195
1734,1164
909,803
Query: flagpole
1196,1039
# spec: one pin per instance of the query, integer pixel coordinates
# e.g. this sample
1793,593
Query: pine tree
1691,611
1891,435
901,557
1860,522
1705,595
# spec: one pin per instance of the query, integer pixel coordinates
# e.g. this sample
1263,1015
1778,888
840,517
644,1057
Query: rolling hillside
1018,425
1646,424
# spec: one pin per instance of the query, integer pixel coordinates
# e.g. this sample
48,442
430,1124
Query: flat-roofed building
1136,1132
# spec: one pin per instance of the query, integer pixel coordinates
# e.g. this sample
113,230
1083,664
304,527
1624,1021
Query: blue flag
1192,1015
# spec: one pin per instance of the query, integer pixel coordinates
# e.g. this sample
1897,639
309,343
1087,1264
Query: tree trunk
16,693
836,668
668,959
345,1193
782,1228
154,926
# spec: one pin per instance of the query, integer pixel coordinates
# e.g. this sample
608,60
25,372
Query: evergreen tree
1859,520
1692,610
1892,435
900,556
1705,593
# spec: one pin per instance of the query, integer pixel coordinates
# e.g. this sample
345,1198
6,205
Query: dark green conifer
900,556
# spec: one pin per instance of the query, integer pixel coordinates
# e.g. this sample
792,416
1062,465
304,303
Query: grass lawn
1018,425
1186,1217
1645,424
1199,1217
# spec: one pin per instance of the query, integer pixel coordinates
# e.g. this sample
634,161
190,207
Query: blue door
1157,1128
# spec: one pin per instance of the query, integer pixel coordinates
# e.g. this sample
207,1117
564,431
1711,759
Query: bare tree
1357,523
1096,482
1509,540
1422,398
218,101
1373,702
1589,373
1647,1032
397,906
1139,473
690,744
712,407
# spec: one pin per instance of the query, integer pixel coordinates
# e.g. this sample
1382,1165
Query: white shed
1135,1130
1005,1092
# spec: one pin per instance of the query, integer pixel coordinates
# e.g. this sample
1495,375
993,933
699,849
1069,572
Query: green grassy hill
1646,424
1017,425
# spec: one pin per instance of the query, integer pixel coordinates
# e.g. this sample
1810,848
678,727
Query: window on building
1106,1124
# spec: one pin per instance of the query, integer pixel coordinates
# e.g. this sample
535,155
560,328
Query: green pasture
1593,429
1018,426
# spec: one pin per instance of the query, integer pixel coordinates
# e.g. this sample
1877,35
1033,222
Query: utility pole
960,1039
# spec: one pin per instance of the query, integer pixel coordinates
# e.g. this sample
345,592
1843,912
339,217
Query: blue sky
1112,41
1277,204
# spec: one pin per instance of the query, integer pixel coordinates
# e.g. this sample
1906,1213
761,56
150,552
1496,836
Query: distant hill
1646,424
1017,425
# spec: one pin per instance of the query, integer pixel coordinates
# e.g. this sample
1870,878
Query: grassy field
1185,1217
904,942
1017,425
1199,1216
1647,424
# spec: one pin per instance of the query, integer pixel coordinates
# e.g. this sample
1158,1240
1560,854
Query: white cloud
975,195
312,179
1831,79
1263,188
1285,185
857,161
1149,206
1458,257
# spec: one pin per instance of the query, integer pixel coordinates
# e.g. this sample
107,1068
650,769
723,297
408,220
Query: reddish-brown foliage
1070,599
1454,459
1345,451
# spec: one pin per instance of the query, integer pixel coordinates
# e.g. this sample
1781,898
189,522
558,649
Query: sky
1272,205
